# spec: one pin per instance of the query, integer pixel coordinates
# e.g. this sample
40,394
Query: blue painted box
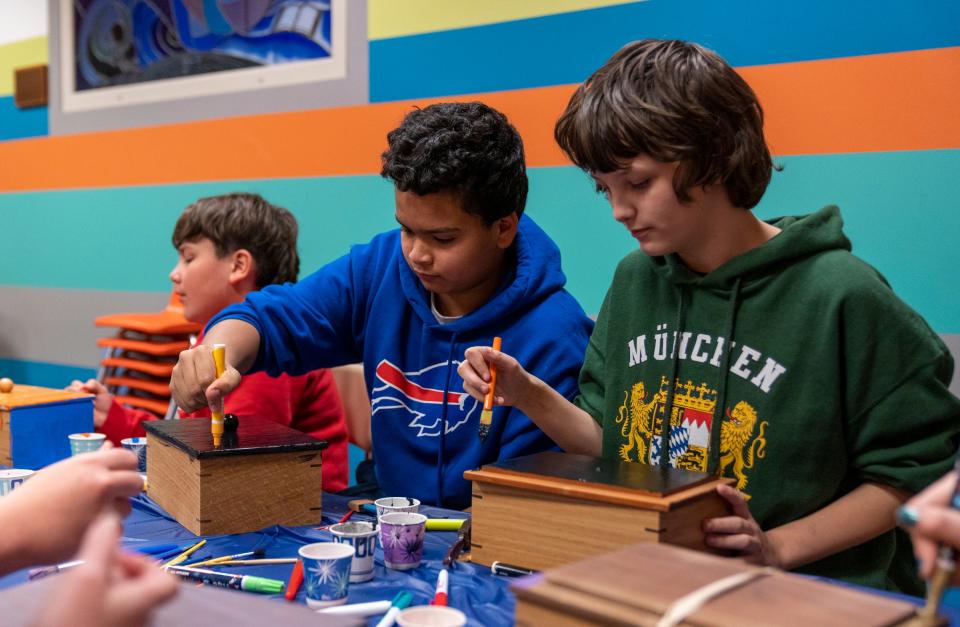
35,423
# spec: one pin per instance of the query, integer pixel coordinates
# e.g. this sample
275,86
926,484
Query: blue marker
399,602
173,552
153,549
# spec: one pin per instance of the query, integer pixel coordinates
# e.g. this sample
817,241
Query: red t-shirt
308,403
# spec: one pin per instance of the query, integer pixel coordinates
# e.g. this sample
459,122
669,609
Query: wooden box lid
596,479
642,581
30,395
254,436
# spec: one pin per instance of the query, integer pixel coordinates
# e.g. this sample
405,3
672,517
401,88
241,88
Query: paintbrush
486,416
269,560
946,565
256,554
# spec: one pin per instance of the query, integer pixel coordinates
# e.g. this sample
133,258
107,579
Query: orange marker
296,578
486,416
216,417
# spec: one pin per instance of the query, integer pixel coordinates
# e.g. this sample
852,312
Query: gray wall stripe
56,325
952,340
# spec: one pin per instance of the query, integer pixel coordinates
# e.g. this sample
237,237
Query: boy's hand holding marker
512,381
486,416
195,384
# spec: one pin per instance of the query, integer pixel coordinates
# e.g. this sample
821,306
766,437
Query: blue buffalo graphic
418,397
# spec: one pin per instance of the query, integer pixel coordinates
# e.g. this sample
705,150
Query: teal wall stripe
119,238
20,123
566,48
43,373
897,210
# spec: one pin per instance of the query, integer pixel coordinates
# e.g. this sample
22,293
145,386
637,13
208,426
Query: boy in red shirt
229,246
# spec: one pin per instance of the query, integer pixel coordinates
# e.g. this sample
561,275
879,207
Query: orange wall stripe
884,102
889,102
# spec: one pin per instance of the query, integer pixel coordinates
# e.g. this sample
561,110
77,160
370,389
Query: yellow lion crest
734,437
637,418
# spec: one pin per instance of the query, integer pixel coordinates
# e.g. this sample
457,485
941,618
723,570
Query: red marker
296,578
440,596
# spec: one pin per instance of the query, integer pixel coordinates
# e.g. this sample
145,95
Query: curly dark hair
674,101
466,148
242,220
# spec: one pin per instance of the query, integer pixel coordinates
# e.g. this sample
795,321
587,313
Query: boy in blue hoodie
465,265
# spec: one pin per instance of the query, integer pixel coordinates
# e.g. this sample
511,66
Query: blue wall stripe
43,373
566,48
897,210
19,123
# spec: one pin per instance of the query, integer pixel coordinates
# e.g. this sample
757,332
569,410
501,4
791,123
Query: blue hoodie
369,306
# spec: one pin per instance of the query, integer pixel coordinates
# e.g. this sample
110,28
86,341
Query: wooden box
636,585
35,423
552,508
263,474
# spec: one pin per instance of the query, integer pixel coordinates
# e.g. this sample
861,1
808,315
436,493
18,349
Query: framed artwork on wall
161,61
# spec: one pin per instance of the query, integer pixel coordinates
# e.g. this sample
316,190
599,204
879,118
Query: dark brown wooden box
264,474
553,508
636,585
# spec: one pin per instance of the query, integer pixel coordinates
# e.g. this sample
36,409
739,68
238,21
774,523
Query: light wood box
636,585
35,422
553,508
264,474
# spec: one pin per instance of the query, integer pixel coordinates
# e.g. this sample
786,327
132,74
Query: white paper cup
11,478
326,573
363,536
401,536
85,442
137,446
395,505
431,615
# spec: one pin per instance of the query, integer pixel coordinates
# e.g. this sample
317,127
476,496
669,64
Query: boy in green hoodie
782,361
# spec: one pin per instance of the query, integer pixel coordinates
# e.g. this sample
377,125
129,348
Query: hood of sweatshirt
806,236
537,275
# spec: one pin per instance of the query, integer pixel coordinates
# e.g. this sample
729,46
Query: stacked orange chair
138,361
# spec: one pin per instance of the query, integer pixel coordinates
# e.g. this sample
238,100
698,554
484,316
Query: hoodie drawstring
674,368
441,450
719,413
716,421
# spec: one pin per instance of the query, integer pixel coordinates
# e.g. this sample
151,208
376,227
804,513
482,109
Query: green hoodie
832,381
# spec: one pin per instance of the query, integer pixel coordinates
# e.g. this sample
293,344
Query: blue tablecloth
472,589
483,597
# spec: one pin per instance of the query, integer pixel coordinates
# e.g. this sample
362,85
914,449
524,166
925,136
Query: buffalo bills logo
418,397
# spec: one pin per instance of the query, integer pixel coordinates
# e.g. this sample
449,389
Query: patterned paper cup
363,537
326,572
137,446
401,536
85,442
11,478
396,504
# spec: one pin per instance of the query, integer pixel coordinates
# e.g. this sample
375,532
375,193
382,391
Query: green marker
444,524
225,580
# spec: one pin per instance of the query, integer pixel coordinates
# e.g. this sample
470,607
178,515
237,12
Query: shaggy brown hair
676,102
241,220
